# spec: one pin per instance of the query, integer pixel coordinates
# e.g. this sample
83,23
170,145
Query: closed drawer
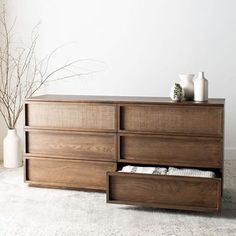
84,116
200,120
67,173
171,150
175,192
76,145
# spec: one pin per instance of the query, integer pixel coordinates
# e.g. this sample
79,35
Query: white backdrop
143,45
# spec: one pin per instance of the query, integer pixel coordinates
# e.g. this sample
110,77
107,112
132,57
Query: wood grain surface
72,116
68,173
73,141
120,99
172,119
171,150
76,145
189,193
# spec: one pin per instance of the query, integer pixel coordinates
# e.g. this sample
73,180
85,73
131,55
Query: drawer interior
217,171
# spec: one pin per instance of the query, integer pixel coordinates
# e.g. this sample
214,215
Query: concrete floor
28,211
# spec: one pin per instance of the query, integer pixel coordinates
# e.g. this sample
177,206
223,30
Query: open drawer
164,191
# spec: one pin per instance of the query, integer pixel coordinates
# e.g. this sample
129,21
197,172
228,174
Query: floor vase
12,157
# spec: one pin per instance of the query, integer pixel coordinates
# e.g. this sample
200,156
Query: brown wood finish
80,116
72,141
68,173
171,150
188,193
121,99
72,145
172,119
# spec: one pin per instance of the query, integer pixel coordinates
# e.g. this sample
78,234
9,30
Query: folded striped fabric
144,170
170,171
190,172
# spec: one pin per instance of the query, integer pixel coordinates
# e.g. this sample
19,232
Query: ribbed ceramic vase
186,82
200,88
12,157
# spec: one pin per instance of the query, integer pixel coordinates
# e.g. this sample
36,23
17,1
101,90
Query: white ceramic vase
200,88
12,157
186,82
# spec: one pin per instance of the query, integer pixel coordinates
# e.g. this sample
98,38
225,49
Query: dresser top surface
120,99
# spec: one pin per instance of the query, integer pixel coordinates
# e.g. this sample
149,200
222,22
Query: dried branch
22,75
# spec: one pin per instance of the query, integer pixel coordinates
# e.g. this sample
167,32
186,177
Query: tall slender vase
200,88
186,82
12,157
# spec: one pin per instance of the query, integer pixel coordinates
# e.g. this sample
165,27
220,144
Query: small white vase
186,82
200,88
12,157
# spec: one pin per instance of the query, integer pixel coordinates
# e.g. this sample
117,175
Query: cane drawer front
171,150
172,119
81,116
76,145
176,192
67,173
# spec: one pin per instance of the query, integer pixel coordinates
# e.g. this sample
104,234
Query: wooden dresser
83,141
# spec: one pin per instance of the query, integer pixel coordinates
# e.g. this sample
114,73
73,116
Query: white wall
144,45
